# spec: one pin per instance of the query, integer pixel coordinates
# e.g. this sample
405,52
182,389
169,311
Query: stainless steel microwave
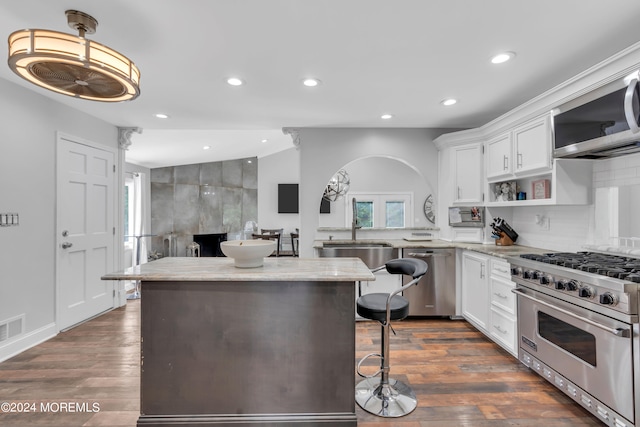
603,123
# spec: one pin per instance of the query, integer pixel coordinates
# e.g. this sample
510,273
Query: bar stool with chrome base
387,397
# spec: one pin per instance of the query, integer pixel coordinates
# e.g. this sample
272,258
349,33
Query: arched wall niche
380,174
323,151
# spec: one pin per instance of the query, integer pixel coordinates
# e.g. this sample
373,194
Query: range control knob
586,292
561,285
571,285
546,280
528,274
608,299
516,271
536,275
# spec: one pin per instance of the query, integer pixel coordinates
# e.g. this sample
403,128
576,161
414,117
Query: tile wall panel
216,197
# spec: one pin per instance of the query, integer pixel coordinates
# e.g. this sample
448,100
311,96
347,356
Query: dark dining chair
274,231
269,236
295,243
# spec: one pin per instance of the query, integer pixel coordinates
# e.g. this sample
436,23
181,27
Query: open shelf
569,184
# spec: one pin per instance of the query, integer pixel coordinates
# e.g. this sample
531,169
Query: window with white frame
381,210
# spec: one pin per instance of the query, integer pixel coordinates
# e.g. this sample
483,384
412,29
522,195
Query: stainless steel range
578,328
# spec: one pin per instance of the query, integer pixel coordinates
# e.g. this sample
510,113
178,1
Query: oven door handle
626,333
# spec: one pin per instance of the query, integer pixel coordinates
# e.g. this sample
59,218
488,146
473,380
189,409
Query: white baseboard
26,341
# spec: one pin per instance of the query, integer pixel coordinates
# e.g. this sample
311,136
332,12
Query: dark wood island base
249,352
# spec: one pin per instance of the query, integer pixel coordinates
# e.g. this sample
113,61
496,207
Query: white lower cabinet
503,322
487,300
475,289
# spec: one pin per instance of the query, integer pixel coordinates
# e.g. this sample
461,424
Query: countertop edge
487,249
220,269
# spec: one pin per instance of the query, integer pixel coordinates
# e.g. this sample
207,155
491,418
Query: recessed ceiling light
448,102
264,140
234,81
248,161
311,82
502,57
206,147
162,116
386,116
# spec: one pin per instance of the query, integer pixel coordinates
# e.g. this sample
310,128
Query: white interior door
84,232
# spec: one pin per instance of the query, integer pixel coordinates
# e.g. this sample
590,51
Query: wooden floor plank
459,376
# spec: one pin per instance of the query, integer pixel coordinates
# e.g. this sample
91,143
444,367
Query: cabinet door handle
482,271
519,160
458,192
505,162
499,295
499,329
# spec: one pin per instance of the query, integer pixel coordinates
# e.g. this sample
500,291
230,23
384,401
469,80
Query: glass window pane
394,214
364,214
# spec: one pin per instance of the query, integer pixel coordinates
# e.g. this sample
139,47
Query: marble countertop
489,249
223,269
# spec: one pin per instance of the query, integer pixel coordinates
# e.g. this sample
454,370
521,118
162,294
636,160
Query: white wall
323,151
28,187
380,174
279,168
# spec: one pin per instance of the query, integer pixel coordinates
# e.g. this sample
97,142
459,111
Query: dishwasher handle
428,254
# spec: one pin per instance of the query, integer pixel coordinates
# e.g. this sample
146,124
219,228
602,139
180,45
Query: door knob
66,245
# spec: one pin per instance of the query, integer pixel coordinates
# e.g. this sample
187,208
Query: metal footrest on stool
394,399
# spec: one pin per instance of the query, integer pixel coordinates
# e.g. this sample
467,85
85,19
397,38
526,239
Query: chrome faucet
354,221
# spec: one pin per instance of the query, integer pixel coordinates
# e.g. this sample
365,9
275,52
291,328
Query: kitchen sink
372,254
356,245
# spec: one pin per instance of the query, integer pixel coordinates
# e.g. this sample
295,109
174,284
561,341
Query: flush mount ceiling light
72,65
234,81
162,116
311,82
448,102
502,57
386,116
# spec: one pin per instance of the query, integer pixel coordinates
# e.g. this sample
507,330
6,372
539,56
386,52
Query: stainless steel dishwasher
435,293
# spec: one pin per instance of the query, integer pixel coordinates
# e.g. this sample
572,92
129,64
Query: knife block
504,240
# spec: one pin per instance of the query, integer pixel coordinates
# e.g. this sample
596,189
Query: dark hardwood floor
459,376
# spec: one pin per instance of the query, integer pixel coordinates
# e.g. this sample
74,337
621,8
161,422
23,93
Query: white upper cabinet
467,163
524,150
499,157
532,145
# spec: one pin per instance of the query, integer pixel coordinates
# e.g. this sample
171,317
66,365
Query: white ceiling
373,57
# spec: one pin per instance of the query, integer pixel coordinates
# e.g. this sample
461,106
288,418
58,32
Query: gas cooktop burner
592,262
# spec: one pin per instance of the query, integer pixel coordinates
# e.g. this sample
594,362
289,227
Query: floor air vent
11,328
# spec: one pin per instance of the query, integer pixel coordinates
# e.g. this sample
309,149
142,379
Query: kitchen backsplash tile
573,227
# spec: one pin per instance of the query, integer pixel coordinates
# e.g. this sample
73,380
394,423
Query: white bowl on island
248,253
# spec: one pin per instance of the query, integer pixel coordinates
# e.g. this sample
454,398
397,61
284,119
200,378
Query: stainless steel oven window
574,340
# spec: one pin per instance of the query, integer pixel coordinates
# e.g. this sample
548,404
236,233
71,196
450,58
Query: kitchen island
266,346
